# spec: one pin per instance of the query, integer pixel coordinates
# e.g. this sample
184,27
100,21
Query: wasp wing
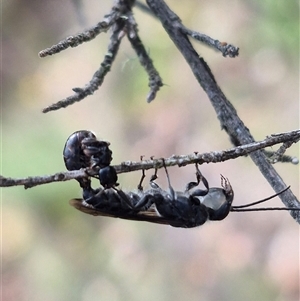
150,215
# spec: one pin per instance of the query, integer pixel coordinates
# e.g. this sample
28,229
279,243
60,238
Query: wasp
184,209
82,150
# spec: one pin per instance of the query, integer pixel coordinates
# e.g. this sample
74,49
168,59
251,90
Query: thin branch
283,159
226,113
30,182
129,166
98,77
226,49
86,36
211,157
121,12
120,20
279,156
155,81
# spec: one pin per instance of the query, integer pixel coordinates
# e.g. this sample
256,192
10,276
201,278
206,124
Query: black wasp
83,150
187,209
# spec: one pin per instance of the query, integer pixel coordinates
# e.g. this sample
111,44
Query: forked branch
121,22
129,166
225,111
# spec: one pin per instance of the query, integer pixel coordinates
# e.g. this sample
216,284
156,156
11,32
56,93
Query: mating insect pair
187,209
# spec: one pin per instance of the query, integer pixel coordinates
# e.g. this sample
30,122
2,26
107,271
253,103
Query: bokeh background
50,251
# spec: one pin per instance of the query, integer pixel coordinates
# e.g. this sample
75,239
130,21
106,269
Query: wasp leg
93,196
153,184
140,186
145,202
172,192
125,198
199,177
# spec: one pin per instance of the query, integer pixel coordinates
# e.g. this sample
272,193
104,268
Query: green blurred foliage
52,252
280,19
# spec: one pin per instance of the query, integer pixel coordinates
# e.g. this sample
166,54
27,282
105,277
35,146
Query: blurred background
50,251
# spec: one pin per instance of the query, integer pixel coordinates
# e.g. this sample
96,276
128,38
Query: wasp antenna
261,201
264,209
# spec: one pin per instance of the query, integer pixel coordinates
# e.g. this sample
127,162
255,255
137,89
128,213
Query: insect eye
215,198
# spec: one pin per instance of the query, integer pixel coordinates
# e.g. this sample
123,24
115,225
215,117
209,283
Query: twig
211,157
155,81
283,159
98,77
40,180
120,20
226,49
128,166
279,156
122,13
226,113
86,36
